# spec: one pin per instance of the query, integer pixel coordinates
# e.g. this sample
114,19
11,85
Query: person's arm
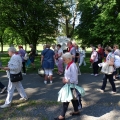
111,62
42,59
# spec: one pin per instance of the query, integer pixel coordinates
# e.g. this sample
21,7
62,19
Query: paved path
96,105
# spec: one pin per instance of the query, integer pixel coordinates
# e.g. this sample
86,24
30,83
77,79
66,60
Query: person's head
44,46
58,46
67,57
74,43
93,48
108,50
20,47
69,43
99,46
11,51
115,47
76,46
48,46
31,46
83,47
53,46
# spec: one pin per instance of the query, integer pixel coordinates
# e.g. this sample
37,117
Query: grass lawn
84,69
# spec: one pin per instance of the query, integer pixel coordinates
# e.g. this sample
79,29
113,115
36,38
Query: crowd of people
68,63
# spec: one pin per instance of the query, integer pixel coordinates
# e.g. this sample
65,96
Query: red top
101,52
70,48
69,64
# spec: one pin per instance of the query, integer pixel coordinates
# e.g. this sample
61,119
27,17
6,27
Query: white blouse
71,73
15,64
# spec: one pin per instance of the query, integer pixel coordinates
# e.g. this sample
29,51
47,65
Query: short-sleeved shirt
94,55
22,53
59,52
109,56
48,59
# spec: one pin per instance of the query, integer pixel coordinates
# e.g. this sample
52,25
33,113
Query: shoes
75,114
96,75
59,119
23,99
3,90
92,74
23,73
113,92
100,90
5,105
45,82
51,82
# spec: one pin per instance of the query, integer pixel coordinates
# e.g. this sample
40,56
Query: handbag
16,77
41,72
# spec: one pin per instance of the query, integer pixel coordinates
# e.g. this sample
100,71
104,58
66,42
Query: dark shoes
75,114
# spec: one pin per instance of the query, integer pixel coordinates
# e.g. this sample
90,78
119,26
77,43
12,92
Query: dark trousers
110,77
1,85
100,60
65,107
95,68
24,67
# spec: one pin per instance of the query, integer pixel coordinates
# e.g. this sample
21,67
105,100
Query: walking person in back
22,53
47,62
94,61
14,67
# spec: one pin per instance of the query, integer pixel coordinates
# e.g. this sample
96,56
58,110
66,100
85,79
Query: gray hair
12,49
67,55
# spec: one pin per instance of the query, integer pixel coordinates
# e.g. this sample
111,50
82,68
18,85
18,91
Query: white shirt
15,64
71,73
94,56
59,53
82,53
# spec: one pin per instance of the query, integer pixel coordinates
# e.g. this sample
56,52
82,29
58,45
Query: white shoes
23,99
45,82
23,73
96,75
5,105
100,90
51,82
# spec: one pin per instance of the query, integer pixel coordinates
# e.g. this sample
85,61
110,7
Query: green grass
84,69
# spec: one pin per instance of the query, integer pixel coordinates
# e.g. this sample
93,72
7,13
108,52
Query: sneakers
3,90
5,105
96,75
51,82
45,82
100,90
23,73
113,92
23,99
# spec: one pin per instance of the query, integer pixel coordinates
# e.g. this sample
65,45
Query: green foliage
32,20
100,22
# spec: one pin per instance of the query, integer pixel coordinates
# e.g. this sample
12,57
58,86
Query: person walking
22,53
14,67
82,56
94,61
47,62
59,59
70,82
32,55
110,61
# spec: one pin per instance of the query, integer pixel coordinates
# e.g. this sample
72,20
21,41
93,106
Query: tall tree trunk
1,41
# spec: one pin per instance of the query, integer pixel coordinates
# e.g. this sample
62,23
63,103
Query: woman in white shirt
14,67
59,59
70,80
94,61
82,56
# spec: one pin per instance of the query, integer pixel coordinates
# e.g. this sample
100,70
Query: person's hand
5,68
65,80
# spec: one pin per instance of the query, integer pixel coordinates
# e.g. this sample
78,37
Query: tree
99,22
32,19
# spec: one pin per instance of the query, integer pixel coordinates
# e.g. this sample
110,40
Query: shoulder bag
16,77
